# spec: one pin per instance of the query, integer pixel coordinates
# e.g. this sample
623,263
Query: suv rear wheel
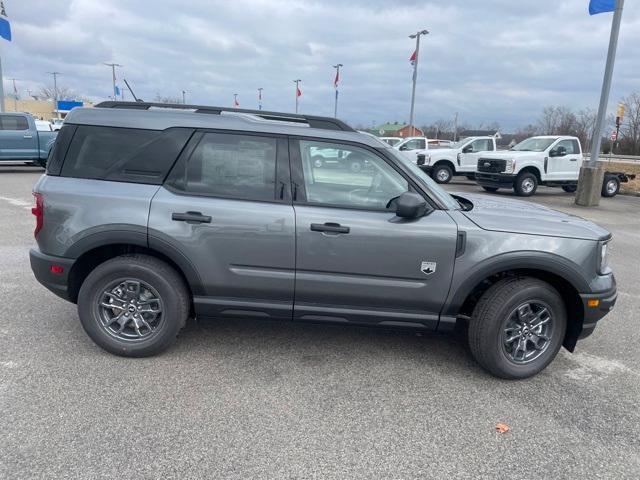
526,184
517,327
133,305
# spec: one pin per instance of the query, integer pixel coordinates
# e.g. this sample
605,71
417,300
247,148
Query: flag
337,79
601,6
298,91
412,58
235,102
5,26
116,90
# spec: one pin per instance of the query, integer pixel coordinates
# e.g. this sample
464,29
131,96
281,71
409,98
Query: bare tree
64,93
585,122
630,131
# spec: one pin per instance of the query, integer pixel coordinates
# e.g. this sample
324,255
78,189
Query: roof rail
325,123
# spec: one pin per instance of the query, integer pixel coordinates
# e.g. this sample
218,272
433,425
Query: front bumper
495,180
594,313
58,282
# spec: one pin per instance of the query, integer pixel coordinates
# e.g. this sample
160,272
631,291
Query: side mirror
467,149
403,147
558,152
410,205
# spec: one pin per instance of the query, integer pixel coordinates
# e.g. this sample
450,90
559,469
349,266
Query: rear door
226,207
356,261
16,140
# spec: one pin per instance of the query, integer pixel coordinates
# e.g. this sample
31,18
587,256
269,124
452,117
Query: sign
67,105
614,136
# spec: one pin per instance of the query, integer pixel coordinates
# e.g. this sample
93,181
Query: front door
471,153
16,140
226,209
356,261
564,166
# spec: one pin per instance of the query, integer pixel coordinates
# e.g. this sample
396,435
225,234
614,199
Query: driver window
568,144
481,145
346,176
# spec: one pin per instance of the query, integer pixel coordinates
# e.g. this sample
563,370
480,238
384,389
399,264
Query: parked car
549,160
146,217
392,141
460,159
56,124
21,141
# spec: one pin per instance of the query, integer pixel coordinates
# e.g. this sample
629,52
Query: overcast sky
500,60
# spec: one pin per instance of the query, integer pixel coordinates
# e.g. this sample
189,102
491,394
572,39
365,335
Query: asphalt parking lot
267,400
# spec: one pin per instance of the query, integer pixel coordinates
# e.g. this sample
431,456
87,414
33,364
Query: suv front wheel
133,305
517,327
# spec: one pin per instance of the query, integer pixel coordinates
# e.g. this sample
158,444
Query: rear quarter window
123,154
13,122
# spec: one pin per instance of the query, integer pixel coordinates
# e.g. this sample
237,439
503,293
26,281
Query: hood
516,216
442,150
507,154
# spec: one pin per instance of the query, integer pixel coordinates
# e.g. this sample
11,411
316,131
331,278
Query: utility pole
590,179
260,98
297,82
455,127
15,95
113,78
335,85
415,57
55,92
1,88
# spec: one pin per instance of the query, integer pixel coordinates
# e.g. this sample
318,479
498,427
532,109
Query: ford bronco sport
147,215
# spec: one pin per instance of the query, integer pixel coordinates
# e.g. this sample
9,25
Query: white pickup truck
412,146
550,160
460,159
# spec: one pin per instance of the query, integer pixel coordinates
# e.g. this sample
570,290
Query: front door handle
191,217
28,136
573,159
329,227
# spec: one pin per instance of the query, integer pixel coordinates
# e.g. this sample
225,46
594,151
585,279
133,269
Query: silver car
148,215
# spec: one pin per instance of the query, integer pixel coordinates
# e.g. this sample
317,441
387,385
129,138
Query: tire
570,188
526,184
442,173
610,186
490,189
156,280
493,315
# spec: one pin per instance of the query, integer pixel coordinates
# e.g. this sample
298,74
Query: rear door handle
191,217
329,227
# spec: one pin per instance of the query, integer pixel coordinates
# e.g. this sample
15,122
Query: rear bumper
42,264
495,180
606,301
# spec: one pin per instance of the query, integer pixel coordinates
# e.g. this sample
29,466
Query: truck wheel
442,173
526,184
517,327
570,188
490,189
133,305
610,187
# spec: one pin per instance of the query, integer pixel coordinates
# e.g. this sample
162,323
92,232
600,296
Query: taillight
38,211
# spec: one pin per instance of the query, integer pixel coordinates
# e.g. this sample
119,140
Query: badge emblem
428,268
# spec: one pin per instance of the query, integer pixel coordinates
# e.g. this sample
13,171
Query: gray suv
148,215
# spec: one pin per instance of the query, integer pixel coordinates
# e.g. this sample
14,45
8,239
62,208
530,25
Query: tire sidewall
445,168
520,179
91,292
494,338
605,193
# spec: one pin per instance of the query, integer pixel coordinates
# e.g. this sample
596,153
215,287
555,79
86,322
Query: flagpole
260,98
415,77
1,87
296,93
588,193
335,106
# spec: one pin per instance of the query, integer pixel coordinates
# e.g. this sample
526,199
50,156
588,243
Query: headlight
603,258
510,166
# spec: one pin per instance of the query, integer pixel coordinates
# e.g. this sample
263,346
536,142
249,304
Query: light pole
415,56
335,85
298,92
15,95
55,92
113,77
184,99
260,98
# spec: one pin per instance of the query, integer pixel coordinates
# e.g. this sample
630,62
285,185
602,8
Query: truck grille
491,166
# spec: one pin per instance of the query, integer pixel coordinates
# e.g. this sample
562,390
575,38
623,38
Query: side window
568,144
13,122
481,145
123,154
357,179
415,144
576,146
227,165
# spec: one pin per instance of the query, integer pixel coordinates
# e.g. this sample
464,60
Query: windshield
447,200
459,143
534,144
